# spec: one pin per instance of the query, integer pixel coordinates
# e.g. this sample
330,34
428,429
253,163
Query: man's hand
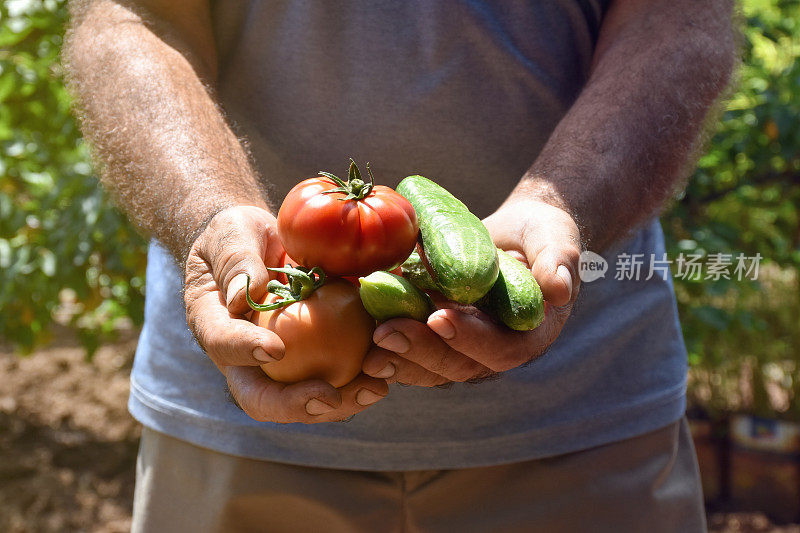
613,160
139,70
244,240
461,344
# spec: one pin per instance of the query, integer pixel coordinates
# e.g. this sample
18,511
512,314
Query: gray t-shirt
466,93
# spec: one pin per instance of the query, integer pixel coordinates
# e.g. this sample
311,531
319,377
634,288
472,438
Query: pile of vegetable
357,253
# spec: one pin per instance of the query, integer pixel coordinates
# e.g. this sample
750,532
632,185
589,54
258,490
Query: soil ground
68,445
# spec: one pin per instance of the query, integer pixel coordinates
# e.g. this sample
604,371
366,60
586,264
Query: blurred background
72,280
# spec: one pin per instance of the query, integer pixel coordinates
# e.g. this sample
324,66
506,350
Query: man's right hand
244,240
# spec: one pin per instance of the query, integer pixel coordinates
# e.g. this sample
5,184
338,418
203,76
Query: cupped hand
242,241
463,344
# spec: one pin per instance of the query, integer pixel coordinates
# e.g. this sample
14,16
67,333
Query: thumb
551,243
240,242
548,238
556,270
236,290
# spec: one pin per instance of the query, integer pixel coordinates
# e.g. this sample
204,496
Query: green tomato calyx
355,188
302,284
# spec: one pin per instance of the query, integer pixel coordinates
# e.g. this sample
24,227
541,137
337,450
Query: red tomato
347,228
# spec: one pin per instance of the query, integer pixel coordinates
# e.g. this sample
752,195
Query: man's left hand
461,343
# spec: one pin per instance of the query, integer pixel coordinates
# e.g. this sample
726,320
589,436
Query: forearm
625,146
162,145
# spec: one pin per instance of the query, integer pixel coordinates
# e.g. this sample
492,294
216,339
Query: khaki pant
649,483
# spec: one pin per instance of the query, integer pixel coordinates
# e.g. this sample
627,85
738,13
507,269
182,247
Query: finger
266,400
555,269
238,242
388,365
228,340
415,342
359,394
309,402
362,392
493,345
550,242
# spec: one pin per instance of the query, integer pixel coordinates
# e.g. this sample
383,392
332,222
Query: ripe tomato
348,228
326,335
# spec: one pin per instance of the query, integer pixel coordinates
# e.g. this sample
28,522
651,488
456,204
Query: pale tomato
326,335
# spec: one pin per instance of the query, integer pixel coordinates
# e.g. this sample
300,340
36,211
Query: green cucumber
386,295
457,245
414,271
515,299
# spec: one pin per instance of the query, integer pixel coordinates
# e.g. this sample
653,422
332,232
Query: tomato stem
302,284
355,188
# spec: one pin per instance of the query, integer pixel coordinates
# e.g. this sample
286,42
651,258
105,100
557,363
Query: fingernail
259,354
563,273
442,327
395,342
317,407
387,371
367,397
236,285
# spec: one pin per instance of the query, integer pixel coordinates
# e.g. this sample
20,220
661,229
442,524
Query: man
562,123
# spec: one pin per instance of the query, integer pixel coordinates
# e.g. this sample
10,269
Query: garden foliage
63,248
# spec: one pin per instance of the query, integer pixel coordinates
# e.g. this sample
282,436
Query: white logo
591,266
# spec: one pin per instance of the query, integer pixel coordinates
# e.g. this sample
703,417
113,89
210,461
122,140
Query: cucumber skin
415,272
457,245
386,295
515,299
